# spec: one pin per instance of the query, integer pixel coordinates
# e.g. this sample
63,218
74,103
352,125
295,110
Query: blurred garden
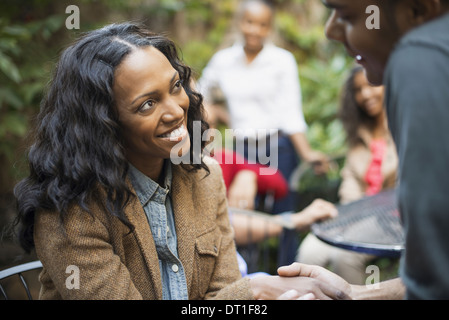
33,33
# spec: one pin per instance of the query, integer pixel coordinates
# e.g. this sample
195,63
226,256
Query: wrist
360,292
300,221
389,289
256,287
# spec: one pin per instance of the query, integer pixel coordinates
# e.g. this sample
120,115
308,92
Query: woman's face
369,98
152,106
255,25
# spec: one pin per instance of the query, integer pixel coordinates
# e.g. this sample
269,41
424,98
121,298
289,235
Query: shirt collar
144,186
266,48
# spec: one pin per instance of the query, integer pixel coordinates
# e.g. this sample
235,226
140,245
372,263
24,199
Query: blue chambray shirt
156,202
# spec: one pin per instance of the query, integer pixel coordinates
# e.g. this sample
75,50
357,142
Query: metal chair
18,271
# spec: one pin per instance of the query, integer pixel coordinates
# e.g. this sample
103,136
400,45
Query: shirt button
175,268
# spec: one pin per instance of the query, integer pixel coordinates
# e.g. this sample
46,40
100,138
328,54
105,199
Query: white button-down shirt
264,94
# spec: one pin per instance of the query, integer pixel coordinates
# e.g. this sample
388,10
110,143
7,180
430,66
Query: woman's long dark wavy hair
350,113
77,142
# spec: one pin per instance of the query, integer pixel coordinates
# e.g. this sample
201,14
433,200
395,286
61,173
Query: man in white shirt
260,83
263,94
261,86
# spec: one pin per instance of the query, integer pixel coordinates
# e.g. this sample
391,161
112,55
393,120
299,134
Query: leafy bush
23,75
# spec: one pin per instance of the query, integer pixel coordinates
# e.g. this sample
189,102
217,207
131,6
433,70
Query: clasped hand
300,281
327,285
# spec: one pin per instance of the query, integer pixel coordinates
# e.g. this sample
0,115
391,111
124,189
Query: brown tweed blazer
116,264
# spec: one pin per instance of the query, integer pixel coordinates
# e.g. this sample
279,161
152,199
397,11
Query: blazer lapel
184,211
136,215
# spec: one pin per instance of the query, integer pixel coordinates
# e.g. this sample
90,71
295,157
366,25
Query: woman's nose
174,110
367,92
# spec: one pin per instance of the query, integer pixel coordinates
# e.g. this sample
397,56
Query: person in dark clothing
409,54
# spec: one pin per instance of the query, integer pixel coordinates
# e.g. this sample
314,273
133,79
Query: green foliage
322,68
21,76
322,83
216,17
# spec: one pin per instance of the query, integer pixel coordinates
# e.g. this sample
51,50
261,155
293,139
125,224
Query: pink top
373,176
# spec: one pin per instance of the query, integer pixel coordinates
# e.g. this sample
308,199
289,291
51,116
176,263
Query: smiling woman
370,167
152,106
99,190
80,122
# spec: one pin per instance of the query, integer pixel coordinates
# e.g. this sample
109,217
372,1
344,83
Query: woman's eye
148,105
178,84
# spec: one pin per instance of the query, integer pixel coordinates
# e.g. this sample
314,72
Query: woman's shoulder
212,175
79,212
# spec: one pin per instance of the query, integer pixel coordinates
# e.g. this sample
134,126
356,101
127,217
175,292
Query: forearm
252,229
301,221
318,210
387,290
317,159
238,290
301,145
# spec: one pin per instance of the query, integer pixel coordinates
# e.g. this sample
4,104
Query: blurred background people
244,182
261,86
370,167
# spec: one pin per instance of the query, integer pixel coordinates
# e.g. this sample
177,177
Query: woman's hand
243,190
318,210
319,162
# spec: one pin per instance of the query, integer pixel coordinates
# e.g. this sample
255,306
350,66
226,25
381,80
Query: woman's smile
176,134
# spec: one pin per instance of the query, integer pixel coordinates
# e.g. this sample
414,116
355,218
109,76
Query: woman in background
370,167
